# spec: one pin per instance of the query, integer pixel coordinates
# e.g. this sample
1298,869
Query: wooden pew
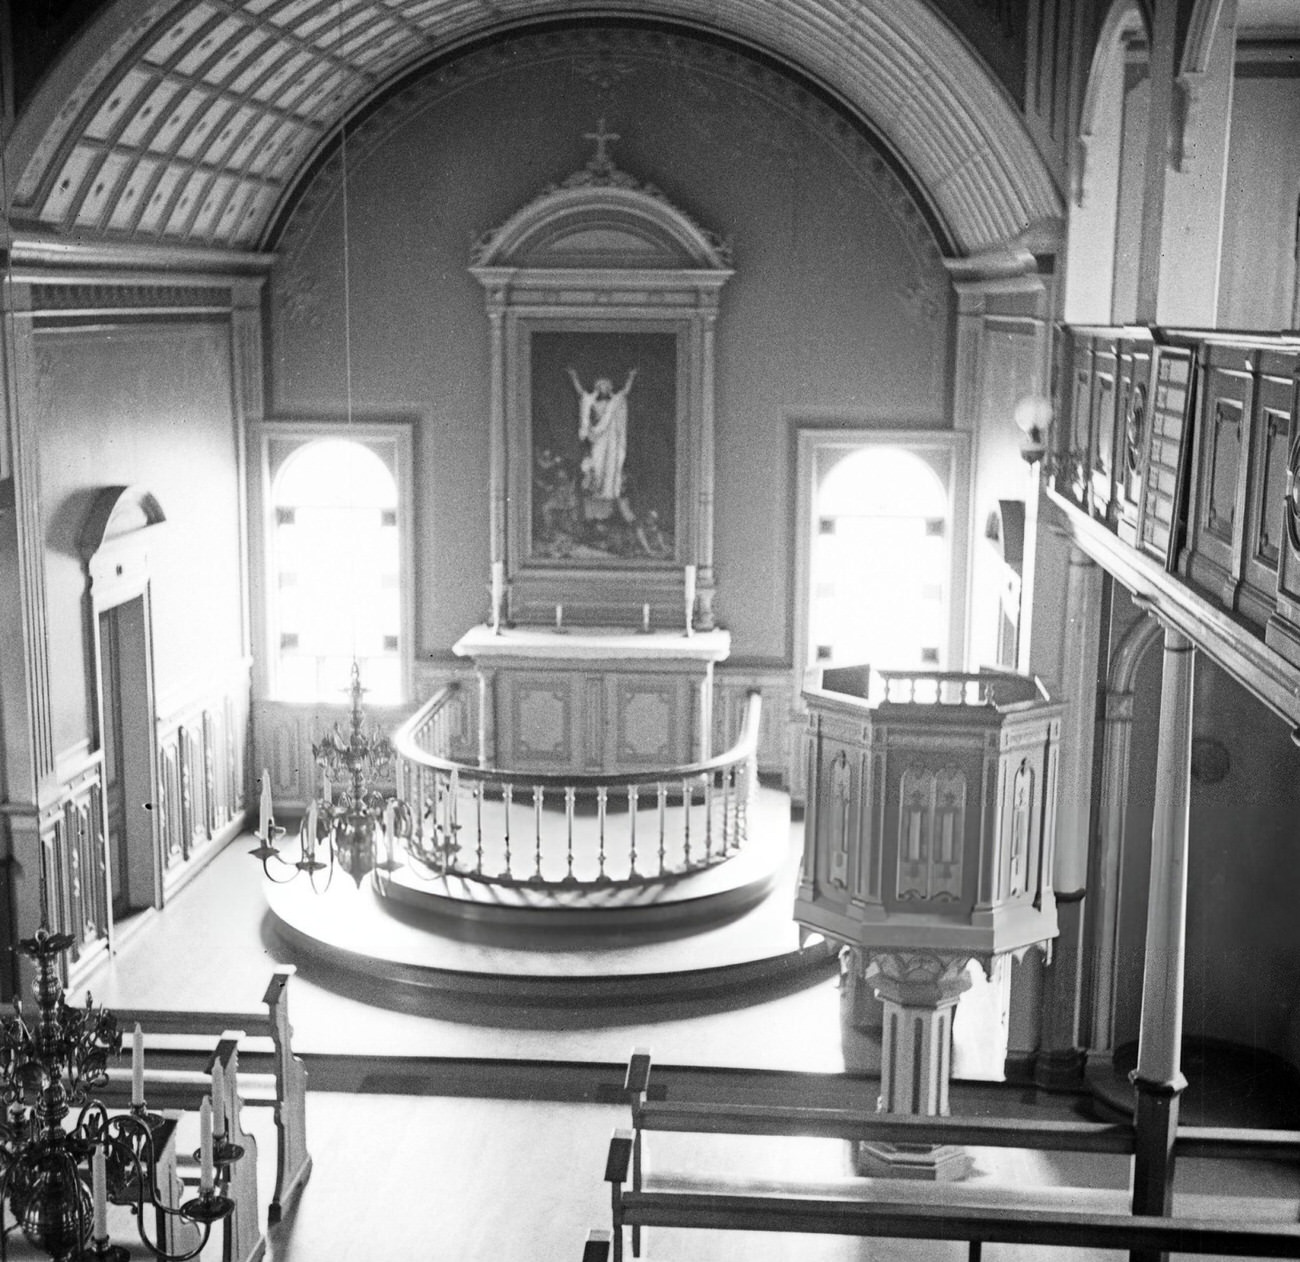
902,1209
178,1175
284,1089
897,1208
597,1247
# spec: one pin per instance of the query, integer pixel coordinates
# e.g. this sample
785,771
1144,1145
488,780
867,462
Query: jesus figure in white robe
602,422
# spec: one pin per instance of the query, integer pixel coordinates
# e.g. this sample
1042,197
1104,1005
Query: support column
1060,1060
1158,1078
919,991
1112,826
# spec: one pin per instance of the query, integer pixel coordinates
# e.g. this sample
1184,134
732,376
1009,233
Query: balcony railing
555,830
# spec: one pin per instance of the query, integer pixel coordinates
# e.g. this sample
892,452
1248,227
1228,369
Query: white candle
645,617
99,1192
390,814
311,829
264,812
689,595
559,617
137,1066
218,1099
205,1146
498,590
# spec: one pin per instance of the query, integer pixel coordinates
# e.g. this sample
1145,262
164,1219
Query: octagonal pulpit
928,842
931,811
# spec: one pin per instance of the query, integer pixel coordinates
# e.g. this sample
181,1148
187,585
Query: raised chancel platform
718,930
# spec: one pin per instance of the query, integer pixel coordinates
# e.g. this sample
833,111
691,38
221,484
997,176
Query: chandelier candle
205,1147
137,1068
218,1099
99,1193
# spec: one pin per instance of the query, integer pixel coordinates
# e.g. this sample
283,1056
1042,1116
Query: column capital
918,979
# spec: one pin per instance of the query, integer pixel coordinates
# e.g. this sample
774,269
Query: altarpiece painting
602,299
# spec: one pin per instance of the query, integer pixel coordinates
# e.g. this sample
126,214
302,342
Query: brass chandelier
354,827
57,1181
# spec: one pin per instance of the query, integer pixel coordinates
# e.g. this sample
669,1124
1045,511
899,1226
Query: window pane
336,557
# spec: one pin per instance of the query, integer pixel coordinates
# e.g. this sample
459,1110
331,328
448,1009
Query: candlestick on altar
559,619
498,591
645,618
264,808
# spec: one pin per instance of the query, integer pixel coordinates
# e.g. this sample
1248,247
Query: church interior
735,563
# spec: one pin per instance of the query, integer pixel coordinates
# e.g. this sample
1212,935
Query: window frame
945,451
274,441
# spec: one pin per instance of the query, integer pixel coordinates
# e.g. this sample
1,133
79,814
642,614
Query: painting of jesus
604,420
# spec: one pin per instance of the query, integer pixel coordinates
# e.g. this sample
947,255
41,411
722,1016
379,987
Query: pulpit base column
919,991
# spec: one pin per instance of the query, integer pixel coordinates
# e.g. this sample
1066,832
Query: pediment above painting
601,217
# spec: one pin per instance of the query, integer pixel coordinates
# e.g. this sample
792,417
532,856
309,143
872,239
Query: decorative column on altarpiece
919,991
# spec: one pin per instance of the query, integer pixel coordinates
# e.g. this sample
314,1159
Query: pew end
597,1246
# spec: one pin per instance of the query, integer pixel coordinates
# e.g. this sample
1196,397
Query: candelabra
58,1180
356,829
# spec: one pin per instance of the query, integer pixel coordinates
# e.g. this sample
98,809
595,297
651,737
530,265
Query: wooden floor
405,1178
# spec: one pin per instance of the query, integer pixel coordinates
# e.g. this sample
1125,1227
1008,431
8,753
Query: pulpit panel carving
930,822
932,835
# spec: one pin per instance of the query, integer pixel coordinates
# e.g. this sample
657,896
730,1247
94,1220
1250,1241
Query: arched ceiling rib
189,123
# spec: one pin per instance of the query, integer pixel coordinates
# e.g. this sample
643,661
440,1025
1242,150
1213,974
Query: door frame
123,525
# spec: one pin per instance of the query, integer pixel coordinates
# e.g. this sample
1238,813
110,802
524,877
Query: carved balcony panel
1134,431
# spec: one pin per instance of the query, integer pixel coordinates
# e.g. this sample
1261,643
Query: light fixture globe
1033,416
353,837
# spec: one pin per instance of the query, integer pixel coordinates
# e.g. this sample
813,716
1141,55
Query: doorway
128,755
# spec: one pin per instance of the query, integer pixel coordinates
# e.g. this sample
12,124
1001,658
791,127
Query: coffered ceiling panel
189,123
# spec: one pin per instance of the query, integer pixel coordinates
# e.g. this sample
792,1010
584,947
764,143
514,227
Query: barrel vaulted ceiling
189,123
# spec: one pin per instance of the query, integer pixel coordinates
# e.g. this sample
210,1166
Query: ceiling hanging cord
347,287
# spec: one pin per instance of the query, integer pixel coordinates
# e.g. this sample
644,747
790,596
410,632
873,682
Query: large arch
190,124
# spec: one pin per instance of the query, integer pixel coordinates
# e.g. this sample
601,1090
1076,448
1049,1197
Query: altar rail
564,830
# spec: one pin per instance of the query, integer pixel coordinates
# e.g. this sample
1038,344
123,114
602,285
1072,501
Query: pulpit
593,699
928,843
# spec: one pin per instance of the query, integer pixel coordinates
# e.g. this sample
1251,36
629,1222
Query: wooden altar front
593,700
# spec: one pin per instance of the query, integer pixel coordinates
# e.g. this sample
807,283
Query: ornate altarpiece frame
602,260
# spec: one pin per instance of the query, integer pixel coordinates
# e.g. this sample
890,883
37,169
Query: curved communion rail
569,830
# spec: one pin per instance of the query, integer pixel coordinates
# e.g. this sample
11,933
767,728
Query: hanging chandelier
352,826
58,1181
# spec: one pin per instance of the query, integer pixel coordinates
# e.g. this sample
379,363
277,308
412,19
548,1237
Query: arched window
335,559
880,562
